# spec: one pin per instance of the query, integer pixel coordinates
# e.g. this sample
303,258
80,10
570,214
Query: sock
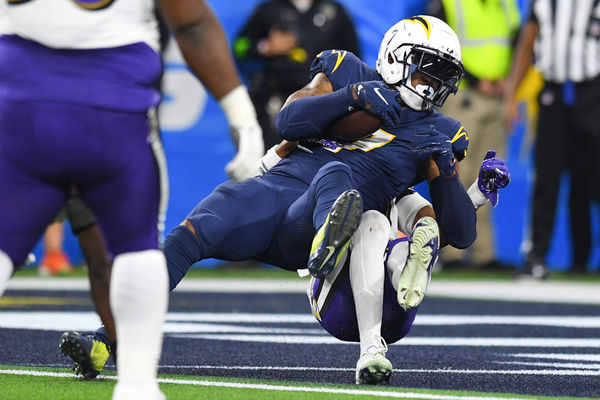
367,275
138,300
182,249
6,270
396,259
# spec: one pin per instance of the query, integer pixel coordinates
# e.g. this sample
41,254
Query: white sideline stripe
214,322
559,356
553,365
409,341
546,292
282,388
575,369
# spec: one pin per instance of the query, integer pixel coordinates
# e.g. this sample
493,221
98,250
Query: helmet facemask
441,71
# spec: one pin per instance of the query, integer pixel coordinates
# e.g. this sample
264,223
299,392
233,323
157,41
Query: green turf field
19,383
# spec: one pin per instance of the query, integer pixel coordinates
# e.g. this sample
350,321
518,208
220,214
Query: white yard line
306,324
283,388
579,369
534,291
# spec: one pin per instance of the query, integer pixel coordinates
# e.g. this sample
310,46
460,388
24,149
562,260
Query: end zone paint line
282,388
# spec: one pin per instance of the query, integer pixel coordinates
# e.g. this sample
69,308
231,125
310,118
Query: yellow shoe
89,353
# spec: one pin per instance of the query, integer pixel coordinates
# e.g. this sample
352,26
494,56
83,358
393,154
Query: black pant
568,140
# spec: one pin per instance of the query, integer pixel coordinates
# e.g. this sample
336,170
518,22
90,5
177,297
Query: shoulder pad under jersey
342,68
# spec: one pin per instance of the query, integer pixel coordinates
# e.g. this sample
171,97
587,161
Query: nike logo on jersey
381,96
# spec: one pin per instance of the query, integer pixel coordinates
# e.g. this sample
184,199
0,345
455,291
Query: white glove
246,162
246,132
269,160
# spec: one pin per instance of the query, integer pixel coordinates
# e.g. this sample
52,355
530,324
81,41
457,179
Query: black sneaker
89,352
333,238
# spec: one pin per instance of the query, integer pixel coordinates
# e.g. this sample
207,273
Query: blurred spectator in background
55,261
276,46
487,30
566,34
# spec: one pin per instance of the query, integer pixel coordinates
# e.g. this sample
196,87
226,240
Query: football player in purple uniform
77,108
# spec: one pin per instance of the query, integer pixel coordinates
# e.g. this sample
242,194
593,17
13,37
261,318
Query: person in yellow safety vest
487,30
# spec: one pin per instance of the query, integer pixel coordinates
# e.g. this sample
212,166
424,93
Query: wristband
477,197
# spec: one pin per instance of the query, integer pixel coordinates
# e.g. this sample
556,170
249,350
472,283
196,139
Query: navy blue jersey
389,161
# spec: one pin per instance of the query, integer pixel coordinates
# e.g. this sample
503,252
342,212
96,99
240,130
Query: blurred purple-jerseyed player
77,108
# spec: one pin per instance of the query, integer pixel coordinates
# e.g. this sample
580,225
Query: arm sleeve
454,211
308,116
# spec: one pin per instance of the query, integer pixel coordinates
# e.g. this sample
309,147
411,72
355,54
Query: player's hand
251,148
269,160
439,147
376,98
493,175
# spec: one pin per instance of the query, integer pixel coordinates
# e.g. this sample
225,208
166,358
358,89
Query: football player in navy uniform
273,218
349,302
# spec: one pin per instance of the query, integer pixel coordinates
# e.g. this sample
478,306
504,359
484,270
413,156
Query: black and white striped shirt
568,42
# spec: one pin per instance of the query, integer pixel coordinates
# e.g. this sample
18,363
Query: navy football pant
272,218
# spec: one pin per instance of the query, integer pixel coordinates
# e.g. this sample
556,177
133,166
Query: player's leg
29,199
367,275
6,270
337,213
125,196
90,352
412,277
225,224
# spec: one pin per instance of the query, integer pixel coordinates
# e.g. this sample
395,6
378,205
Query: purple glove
493,175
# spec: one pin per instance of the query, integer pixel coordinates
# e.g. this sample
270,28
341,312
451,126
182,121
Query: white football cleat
424,248
372,367
137,392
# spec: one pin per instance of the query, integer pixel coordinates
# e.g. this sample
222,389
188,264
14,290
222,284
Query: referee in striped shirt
565,35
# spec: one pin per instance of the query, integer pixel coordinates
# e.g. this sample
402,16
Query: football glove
439,147
493,175
251,148
376,98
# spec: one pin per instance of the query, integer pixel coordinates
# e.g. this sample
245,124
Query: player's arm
453,208
309,111
205,48
493,175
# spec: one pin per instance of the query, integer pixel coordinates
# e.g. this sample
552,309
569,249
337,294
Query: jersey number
377,139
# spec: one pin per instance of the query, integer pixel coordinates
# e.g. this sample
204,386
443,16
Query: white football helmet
426,45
